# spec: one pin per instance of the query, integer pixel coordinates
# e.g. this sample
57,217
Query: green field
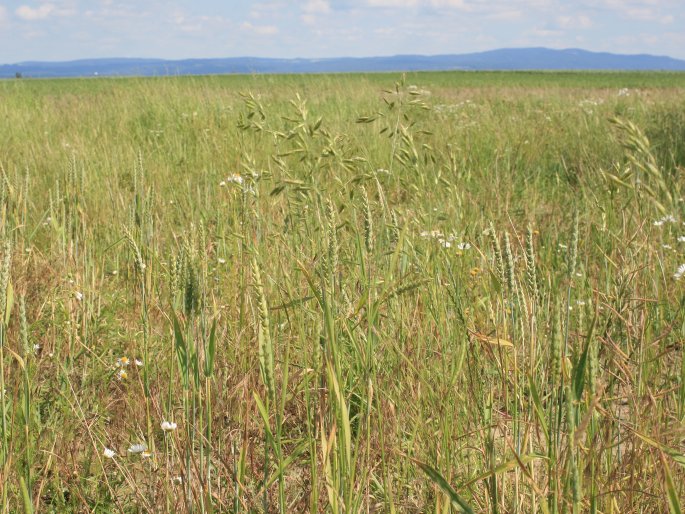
443,292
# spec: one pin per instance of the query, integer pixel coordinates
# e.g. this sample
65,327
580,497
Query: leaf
440,481
499,342
342,411
181,350
28,506
678,457
211,351
504,467
10,303
537,406
493,340
264,414
578,375
673,502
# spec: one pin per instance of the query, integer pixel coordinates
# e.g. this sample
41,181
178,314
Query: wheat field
439,292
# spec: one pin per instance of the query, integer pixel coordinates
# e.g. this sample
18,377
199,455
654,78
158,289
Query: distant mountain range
503,59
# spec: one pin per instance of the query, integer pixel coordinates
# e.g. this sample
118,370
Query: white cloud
544,32
504,15
574,22
3,14
262,30
30,14
417,3
393,3
42,12
317,7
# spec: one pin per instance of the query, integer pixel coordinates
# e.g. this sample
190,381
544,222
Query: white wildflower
78,295
679,272
221,261
122,362
236,179
669,218
463,246
137,448
681,239
169,426
109,453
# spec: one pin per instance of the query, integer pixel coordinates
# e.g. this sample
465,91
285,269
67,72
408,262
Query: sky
58,30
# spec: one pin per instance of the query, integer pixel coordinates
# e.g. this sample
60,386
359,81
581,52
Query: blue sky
74,29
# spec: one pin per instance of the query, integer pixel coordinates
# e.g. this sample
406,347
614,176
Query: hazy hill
503,59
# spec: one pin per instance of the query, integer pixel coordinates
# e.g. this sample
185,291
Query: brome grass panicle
266,354
531,270
332,243
509,265
368,222
497,251
5,276
573,247
555,354
394,228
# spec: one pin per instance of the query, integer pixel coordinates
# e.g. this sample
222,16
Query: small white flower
221,261
169,426
669,218
222,183
122,362
121,374
463,246
679,272
109,453
681,239
667,247
137,448
138,362
78,295
444,243
236,179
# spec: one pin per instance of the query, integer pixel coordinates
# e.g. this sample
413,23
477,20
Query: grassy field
445,292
